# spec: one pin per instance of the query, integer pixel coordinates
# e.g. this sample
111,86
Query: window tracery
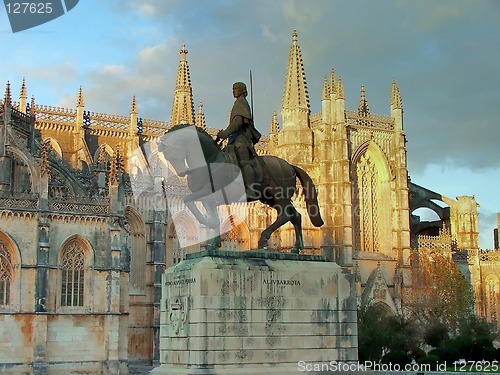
231,239
179,237
73,275
366,213
6,271
491,300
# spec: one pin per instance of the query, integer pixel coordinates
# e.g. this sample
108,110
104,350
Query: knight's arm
235,124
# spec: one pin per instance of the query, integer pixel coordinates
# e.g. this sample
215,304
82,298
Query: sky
444,55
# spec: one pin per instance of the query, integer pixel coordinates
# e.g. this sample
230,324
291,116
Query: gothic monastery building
85,233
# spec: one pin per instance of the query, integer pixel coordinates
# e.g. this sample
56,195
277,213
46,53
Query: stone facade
85,234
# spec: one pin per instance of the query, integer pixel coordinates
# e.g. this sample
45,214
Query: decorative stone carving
177,316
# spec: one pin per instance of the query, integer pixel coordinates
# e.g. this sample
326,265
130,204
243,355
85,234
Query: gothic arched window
230,240
21,176
235,235
179,239
138,256
492,299
73,274
366,215
6,271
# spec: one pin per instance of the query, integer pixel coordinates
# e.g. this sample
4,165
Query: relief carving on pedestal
177,317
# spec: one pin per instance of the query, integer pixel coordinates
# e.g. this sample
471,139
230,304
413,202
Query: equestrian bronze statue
192,152
237,174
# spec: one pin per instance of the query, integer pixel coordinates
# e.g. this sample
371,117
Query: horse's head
187,147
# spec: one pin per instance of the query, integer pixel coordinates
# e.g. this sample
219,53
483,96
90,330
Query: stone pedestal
255,312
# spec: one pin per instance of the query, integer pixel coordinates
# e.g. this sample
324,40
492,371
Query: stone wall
61,343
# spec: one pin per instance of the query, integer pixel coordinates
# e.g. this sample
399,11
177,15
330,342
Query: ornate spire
80,102
183,107
340,89
183,119
275,126
183,51
120,162
23,97
333,83
200,117
44,158
32,106
23,93
295,96
363,108
101,158
116,167
396,101
326,91
7,97
133,107
136,126
112,173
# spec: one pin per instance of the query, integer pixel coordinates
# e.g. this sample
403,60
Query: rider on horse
242,138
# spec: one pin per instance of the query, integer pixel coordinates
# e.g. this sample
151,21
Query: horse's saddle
256,163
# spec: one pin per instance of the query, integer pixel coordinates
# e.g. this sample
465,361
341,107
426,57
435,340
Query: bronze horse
208,171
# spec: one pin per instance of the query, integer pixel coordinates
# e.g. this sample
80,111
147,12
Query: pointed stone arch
25,171
137,163
421,201
371,191
377,290
55,146
182,238
75,277
378,155
10,273
138,250
104,148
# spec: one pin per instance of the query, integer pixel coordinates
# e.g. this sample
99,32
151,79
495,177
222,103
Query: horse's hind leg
296,220
284,216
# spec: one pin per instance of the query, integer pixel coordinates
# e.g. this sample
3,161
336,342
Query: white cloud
114,69
450,91
454,181
63,72
303,13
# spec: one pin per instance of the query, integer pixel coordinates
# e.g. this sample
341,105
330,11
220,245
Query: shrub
397,357
430,359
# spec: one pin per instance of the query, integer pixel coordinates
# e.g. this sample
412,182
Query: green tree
383,336
473,340
439,291
373,335
436,334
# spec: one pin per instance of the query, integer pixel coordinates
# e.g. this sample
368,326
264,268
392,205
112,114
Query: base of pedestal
240,313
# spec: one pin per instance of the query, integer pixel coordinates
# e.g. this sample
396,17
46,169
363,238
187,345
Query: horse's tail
310,196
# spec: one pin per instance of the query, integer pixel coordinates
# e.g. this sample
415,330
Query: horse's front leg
198,215
296,221
213,217
283,217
